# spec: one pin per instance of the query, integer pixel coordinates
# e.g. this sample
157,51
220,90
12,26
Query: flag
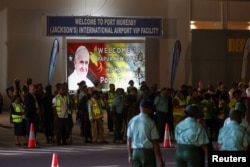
53,59
175,60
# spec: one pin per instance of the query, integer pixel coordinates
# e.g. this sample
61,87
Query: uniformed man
233,136
111,94
60,107
192,139
96,118
142,138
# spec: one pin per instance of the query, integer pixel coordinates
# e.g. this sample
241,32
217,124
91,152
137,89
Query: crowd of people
52,112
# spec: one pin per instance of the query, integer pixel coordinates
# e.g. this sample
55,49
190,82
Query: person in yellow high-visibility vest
61,106
179,104
96,118
18,119
111,94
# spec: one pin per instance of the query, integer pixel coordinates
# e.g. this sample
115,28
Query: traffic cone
167,140
54,162
32,140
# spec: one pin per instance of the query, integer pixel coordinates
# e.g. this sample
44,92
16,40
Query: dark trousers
85,125
28,123
49,129
118,127
70,125
189,156
62,128
162,118
143,158
110,119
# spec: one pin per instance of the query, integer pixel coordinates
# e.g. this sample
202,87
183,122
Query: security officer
60,107
164,113
111,96
192,139
18,119
179,104
96,118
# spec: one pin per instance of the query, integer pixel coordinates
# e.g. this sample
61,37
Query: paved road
75,154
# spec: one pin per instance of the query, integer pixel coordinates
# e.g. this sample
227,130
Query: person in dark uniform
83,114
48,114
31,109
192,139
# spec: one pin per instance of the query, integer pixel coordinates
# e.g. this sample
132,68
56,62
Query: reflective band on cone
167,140
32,140
54,162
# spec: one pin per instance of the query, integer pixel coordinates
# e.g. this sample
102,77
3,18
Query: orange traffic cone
167,140
54,162
32,140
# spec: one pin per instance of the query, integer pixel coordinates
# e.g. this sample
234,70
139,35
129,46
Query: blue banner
175,61
53,59
104,26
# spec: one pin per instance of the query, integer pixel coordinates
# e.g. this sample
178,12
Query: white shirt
74,79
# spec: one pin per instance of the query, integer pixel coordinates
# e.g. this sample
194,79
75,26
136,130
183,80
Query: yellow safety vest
111,97
59,104
179,111
96,109
17,118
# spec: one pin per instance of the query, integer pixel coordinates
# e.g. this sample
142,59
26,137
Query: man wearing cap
192,139
142,139
61,115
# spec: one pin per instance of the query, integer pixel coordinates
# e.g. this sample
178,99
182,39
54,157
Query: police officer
192,139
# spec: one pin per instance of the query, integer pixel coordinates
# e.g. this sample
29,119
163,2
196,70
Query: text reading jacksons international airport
103,26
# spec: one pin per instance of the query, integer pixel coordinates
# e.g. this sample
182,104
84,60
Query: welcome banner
103,26
111,62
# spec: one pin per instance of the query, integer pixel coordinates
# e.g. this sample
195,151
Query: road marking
69,149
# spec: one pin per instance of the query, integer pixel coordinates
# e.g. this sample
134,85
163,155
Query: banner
53,59
245,60
175,60
106,62
104,26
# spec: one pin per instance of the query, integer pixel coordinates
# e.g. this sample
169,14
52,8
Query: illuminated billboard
107,62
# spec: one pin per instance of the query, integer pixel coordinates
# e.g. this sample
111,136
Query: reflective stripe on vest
16,118
96,110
